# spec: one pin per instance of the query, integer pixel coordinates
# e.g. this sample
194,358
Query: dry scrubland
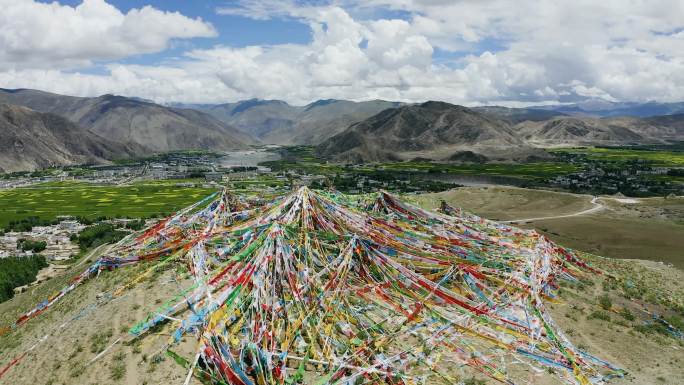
64,357
618,332
592,314
652,229
508,203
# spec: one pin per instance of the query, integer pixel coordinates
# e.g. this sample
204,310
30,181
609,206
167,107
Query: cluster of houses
166,171
163,167
57,238
610,180
23,182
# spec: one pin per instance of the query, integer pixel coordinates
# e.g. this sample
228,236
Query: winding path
92,253
596,207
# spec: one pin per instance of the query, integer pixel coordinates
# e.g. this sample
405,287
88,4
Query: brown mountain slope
276,122
323,119
30,140
561,131
434,130
131,120
441,131
254,116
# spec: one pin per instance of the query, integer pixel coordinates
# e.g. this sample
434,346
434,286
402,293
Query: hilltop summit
322,285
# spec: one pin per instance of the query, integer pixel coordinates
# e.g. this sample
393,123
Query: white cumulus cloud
462,51
51,35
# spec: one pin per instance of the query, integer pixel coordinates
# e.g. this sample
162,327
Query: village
57,241
53,242
638,178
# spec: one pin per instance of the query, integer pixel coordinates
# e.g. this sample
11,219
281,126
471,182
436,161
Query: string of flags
319,287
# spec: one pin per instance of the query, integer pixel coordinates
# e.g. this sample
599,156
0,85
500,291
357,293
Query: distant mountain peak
319,103
32,140
245,105
438,105
432,129
604,108
132,120
12,90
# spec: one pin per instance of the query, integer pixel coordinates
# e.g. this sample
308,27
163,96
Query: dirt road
596,207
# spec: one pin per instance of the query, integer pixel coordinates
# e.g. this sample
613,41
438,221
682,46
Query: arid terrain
341,192
637,228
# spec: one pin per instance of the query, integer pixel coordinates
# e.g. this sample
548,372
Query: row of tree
98,234
35,246
18,271
28,223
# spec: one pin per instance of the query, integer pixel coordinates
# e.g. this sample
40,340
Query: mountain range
429,130
130,120
341,130
604,108
277,122
446,132
32,140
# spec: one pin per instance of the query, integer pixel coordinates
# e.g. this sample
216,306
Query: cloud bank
468,52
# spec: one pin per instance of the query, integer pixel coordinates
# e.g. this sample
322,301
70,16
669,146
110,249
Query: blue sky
235,31
468,52
241,31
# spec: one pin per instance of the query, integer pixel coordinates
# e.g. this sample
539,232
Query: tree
18,271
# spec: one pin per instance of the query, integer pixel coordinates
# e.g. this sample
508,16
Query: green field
48,201
303,158
523,170
657,156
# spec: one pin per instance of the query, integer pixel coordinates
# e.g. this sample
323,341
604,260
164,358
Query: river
247,158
